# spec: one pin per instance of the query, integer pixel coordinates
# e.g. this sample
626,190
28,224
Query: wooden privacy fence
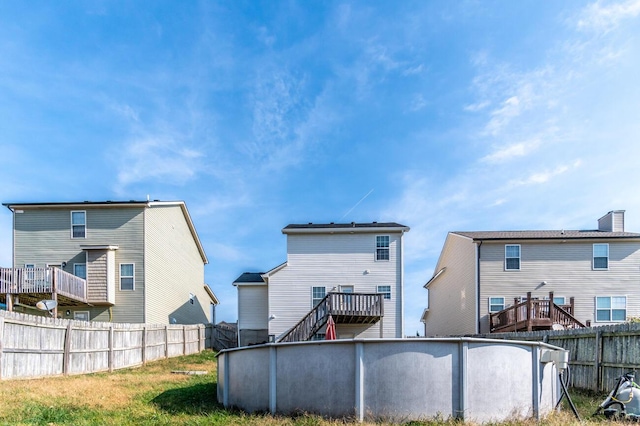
597,355
32,346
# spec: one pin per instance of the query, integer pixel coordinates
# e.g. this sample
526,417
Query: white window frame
75,315
387,294
380,249
489,300
506,258
610,309
132,276
85,270
314,299
593,258
84,225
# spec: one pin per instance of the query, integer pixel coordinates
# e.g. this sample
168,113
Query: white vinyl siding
601,256
78,224
252,302
173,269
452,296
611,308
512,257
335,260
127,276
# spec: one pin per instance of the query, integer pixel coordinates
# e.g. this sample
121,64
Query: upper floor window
512,257
127,276
496,304
385,290
382,247
611,308
317,294
601,256
80,270
78,224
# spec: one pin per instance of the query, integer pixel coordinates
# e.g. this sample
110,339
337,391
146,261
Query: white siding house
365,260
596,272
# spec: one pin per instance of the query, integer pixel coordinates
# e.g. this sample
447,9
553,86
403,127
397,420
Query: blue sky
440,115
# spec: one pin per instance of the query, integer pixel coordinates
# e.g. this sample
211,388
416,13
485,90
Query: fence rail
32,346
597,355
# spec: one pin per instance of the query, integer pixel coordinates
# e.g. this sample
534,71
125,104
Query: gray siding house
353,271
591,274
131,261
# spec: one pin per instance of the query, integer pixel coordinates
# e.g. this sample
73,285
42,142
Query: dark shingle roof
345,225
544,235
250,277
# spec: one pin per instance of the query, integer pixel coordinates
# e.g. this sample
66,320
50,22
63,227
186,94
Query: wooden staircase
345,308
534,314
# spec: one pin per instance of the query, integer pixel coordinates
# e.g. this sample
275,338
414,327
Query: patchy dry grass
152,395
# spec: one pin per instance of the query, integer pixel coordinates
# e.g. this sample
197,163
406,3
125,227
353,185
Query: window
611,308
512,257
78,224
382,247
80,270
81,315
126,276
496,304
317,294
559,300
601,256
385,290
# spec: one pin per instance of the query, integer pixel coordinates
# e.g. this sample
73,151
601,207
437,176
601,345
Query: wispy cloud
606,16
509,152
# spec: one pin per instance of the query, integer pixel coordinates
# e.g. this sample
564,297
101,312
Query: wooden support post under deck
515,314
529,309
9,302
54,295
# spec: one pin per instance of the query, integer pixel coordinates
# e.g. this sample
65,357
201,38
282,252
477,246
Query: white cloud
606,16
160,158
507,153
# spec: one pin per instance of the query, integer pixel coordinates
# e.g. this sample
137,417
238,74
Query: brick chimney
612,221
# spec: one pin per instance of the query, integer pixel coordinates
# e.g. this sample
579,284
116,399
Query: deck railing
534,313
42,281
339,305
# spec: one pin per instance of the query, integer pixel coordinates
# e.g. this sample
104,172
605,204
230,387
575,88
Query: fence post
597,362
184,340
111,348
1,343
144,344
166,341
66,358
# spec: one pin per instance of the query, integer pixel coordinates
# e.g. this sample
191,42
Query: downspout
402,335
478,246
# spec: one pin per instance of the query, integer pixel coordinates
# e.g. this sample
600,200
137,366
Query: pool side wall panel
479,380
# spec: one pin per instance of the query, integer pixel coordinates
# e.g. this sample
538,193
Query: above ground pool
473,379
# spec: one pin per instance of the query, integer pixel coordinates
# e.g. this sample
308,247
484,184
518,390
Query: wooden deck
344,308
27,286
534,314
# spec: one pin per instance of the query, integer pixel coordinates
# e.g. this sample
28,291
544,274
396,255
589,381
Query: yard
154,395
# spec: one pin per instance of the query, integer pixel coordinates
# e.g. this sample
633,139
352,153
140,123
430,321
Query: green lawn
152,395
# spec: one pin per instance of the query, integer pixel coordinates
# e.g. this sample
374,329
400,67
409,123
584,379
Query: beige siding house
133,261
594,274
352,271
